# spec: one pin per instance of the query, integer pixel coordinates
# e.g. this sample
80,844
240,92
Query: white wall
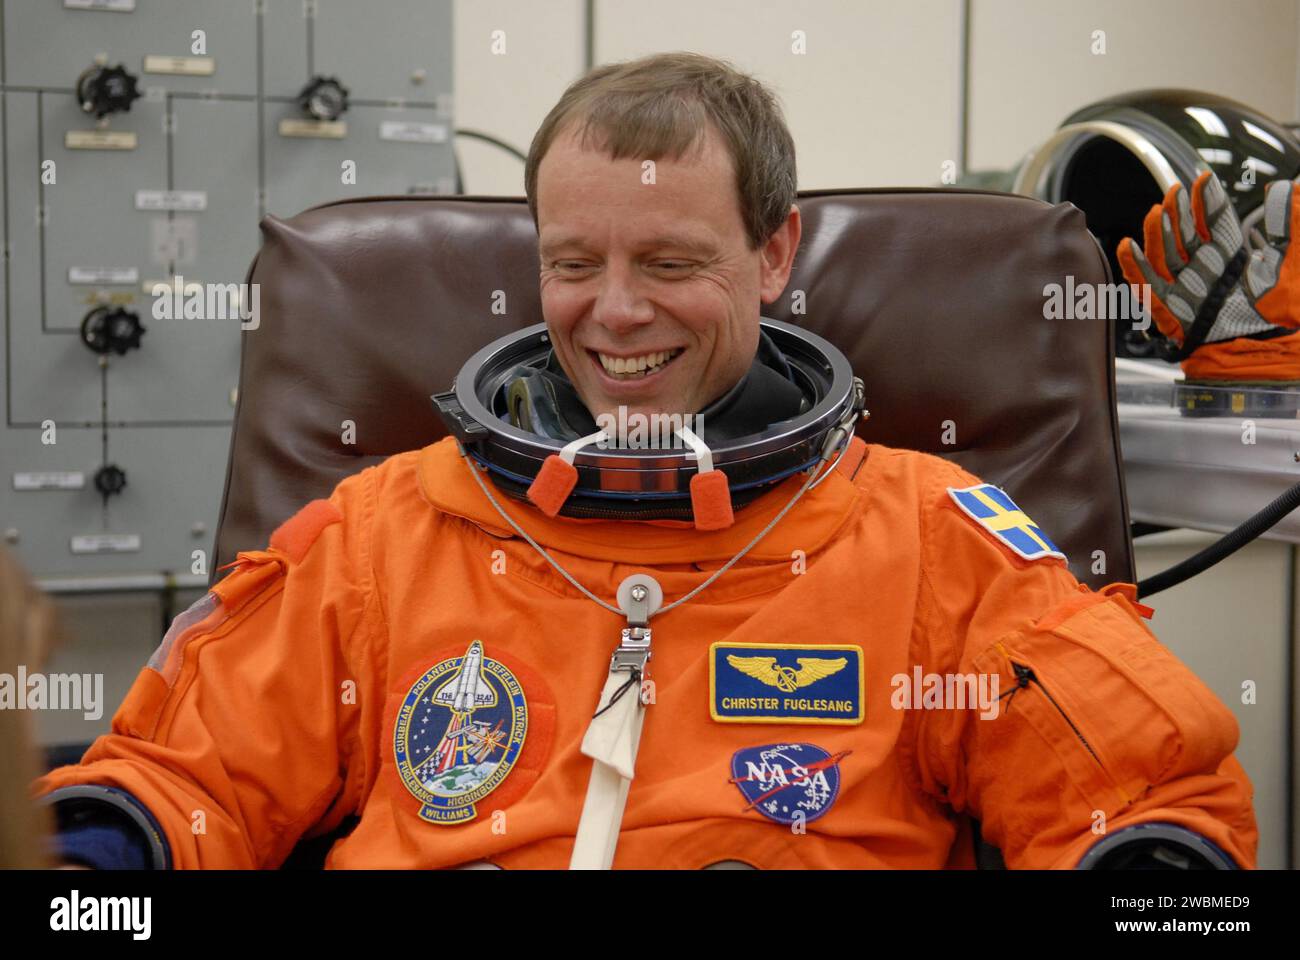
1232,625
1032,62
507,95
875,100
872,101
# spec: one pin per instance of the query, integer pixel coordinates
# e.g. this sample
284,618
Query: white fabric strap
570,450
602,818
611,741
701,449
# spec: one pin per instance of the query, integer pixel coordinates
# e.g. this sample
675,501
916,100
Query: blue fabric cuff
106,828
104,846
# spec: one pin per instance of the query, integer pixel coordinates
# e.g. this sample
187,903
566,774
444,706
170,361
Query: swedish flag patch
997,513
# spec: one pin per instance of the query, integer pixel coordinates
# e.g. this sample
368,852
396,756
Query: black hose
1229,544
495,141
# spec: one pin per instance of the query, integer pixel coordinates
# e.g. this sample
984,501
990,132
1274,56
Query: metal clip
843,431
639,596
633,652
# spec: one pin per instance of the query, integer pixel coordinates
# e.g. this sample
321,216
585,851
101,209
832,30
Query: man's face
649,289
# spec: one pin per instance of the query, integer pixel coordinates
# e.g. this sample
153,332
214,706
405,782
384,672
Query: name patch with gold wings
792,683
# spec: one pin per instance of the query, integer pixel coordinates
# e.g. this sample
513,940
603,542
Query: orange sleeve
239,735
1098,726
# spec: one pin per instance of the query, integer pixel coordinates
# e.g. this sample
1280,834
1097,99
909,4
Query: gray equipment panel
306,172
89,227
406,45
48,45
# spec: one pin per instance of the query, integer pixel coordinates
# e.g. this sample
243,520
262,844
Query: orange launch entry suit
336,674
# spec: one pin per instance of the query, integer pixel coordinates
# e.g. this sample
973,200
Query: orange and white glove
1231,313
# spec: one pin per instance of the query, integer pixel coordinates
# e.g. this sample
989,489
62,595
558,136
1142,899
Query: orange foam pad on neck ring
552,485
711,501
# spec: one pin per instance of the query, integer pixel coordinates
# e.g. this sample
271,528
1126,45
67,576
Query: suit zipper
1024,677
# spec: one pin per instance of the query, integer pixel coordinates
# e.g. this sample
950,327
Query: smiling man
444,671
652,278
650,286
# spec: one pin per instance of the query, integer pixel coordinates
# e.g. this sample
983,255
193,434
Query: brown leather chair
936,297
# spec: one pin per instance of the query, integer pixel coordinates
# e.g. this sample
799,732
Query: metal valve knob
324,98
111,330
103,90
110,479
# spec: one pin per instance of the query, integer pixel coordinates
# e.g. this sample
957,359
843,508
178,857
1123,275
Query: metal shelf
1206,472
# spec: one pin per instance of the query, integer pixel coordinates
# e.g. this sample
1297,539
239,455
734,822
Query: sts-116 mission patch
997,513
458,732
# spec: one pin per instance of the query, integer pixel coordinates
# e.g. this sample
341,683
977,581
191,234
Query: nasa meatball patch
787,782
462,727
997,513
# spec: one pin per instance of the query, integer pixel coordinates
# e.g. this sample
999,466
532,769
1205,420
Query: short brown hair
660,105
